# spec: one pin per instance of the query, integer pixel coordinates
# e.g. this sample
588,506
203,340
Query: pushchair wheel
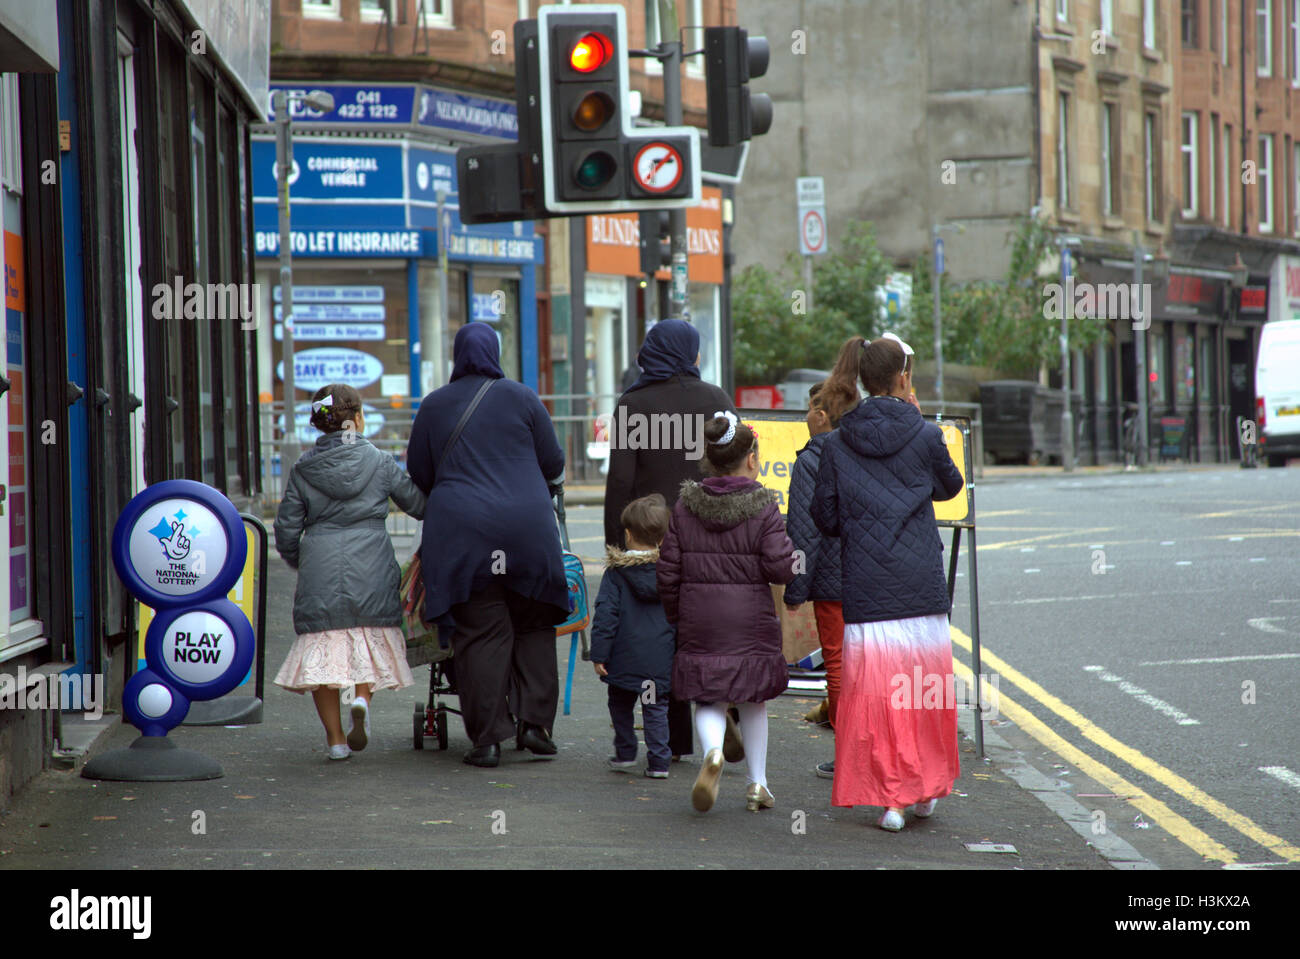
419,726
440,726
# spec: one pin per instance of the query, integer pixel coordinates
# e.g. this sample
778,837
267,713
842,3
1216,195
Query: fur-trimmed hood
615,557
637,569
724,502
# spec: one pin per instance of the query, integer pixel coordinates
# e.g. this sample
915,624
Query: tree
775,332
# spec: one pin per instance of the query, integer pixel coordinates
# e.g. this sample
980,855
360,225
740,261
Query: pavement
282,804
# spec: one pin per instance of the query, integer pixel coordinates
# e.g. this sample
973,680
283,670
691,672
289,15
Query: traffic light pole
672,63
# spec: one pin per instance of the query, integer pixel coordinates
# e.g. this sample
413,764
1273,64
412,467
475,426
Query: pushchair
430,718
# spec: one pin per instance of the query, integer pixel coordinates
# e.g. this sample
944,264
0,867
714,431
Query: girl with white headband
726,543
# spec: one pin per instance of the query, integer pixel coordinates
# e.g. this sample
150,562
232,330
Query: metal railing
388,427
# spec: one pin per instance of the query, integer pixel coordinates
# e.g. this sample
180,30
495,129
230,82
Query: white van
1277,391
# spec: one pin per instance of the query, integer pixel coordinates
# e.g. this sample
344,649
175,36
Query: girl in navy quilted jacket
896,729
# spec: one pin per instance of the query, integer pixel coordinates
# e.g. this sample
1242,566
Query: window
11,164
321,8
1111,167
1108,17
1264,38
1294,45
1264,180
1189,164
694,39
1227,174
1211,206
1295,189
1063,151
1215,40
1151,135
372,11
1063,10
691,16
1191,26
1223,31
1149,24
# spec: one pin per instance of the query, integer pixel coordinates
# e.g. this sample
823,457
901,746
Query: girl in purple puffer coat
726,543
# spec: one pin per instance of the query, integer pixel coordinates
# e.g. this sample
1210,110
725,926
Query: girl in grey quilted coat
331,528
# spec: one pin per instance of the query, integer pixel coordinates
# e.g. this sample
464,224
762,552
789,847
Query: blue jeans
654,722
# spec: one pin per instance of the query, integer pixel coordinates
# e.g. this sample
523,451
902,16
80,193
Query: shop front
621,304
369,274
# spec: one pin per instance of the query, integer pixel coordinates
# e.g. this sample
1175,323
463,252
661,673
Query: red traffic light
591,52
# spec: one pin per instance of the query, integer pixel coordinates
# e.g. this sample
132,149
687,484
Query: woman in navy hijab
669,384
491,553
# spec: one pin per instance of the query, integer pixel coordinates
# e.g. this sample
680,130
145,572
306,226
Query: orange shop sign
614,242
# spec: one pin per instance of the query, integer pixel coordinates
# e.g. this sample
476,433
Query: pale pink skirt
339,658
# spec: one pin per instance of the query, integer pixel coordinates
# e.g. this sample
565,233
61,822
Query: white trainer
341,751
892,821
360,734
924,810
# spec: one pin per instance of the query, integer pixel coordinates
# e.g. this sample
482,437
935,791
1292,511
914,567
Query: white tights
711,725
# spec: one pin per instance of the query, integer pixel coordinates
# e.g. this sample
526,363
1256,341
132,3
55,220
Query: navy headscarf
670,348
476,350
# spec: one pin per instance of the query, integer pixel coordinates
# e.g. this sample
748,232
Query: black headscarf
670,348
476,350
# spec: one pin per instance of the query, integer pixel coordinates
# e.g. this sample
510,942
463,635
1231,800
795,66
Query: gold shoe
705,791
758,797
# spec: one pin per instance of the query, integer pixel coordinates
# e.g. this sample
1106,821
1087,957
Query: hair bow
324,403
728,436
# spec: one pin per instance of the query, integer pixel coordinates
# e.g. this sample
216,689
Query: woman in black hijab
648,455
491,553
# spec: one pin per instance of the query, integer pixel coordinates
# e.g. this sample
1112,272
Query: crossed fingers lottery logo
179,547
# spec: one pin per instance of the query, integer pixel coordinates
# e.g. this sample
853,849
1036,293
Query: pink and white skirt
339,658
896,719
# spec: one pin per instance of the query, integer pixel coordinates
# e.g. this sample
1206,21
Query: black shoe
535,740
486,756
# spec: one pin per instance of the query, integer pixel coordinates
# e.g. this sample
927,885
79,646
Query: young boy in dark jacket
632,642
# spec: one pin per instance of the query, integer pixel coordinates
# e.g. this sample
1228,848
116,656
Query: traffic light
731,59
502,182
593,159
656,251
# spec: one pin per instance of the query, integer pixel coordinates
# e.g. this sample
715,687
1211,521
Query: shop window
1156,368
11,164
494,299
350,326
1209,392
1184,370
201,135
325,9
706,317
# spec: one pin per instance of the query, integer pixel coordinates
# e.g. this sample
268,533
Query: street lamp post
1067,414
323,102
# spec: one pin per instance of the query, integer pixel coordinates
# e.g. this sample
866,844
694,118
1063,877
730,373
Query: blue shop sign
360,103
339,171
464,113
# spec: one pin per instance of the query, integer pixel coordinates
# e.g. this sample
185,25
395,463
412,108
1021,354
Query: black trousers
504,646
681,728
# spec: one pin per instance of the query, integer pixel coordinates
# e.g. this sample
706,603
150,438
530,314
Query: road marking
1027,549
1288,508
1166,777
1183,562
1141,695
1033,571
1155,810
1282,774
1219,659
1168,542
1258,559
1035,539
1264,624
1072,599
1231,539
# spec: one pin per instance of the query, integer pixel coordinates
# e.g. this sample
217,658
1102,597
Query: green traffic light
594,171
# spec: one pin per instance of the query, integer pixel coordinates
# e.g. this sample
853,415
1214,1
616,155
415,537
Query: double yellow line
1159,813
